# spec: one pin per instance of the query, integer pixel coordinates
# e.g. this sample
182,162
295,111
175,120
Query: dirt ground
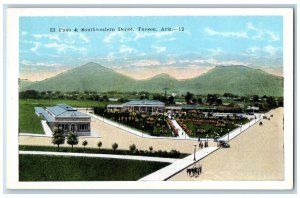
255,155
110,134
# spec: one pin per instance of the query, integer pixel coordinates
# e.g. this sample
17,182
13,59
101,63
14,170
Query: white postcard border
12,73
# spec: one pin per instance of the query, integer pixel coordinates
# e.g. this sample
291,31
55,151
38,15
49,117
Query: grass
58,168
99,151
29,122
208,126
52,102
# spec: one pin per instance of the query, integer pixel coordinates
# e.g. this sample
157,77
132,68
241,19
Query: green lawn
29,122
73,103
58,168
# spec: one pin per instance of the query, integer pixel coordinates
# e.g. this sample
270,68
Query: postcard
149,98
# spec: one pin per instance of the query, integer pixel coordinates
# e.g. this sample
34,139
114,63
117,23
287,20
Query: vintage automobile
223,144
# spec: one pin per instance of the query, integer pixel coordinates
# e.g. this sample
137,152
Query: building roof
39,110
144,102
114,106
59,111
44,113
197,107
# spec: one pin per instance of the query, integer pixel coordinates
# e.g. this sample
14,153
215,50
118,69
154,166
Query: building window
83,127
63,127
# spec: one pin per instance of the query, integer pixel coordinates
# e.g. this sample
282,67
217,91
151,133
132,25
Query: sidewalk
180,164
232,134
181,132
125,157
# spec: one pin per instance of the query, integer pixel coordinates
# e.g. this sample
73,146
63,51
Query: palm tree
99,144
114,146
58,137
84,143
72,139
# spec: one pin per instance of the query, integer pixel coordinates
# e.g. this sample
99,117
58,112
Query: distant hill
239,80
25,83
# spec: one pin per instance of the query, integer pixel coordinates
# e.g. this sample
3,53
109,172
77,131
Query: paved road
127,157
178,165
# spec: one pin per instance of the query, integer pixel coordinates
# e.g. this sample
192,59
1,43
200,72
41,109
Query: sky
202,43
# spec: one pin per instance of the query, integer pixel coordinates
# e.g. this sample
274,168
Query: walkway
46,128
242,128
125,157
180,164
181,132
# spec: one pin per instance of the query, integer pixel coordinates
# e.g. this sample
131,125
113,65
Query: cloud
114,36
47,36
159,49
261,33
251,31
145,63
39,64
257,52
272,51
127,50
84,38
211,62
71,37
134,36
62,48
273,36
139,35
35,48
212,32
215,52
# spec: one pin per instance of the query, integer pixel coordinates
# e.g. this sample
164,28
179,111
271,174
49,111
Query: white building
66,118
140,105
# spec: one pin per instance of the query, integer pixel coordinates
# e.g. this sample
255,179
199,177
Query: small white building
140,105
66,118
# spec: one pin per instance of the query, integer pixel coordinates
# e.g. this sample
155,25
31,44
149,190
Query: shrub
99,144
150,149
114,146
132,148
84,143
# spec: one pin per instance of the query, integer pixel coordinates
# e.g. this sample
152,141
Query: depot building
66,118
140,105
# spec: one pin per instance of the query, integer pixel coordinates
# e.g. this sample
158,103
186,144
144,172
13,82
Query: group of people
194,171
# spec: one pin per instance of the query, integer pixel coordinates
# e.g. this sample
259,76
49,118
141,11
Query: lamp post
228,134
195,152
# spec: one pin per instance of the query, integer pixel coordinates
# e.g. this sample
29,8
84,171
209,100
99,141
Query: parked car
223,144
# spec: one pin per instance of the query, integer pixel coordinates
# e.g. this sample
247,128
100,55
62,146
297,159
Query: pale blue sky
205,42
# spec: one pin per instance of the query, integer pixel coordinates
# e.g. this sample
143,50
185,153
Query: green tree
114,146
99,144
255,98
211,99
200,100
58,137
132,148
150,149
84,143
72,139
188,97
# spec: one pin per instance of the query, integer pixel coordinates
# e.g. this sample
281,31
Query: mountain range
240,80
